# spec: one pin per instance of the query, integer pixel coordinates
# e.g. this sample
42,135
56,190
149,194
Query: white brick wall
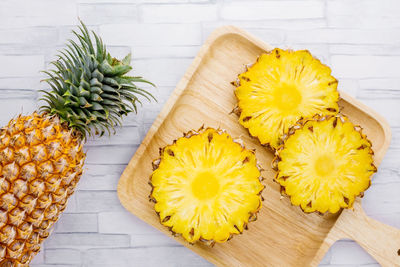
143,257
359,39
340,13
101,154
152,34
365,66
97,201
77,223
86,240
261,10
188,13
63,256
340,254
108,13
17,66
29,36
23,13
101,177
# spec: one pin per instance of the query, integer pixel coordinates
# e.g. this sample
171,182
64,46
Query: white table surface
359,39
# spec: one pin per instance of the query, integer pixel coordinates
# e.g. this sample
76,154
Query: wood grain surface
283,235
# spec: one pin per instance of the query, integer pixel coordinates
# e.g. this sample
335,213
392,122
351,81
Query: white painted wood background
359,39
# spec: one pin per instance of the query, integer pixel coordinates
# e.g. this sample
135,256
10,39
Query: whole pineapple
206,186
282,87
41,155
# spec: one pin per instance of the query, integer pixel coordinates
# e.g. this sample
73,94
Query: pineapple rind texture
282,87
206,186
324,163
40,163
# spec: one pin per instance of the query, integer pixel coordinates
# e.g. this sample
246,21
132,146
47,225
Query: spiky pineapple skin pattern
40,163
206,186
280,88
325,162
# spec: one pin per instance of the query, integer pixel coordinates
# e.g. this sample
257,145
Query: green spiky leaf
90,89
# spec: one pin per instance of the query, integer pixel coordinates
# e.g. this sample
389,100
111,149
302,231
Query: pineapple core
287,98
205,185
324,165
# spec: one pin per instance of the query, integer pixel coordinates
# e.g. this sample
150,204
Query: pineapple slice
206,186
324,164
279,89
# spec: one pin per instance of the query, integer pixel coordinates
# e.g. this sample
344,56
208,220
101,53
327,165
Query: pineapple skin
41,162
352,153
197,141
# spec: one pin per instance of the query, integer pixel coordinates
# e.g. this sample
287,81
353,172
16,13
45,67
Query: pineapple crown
91,90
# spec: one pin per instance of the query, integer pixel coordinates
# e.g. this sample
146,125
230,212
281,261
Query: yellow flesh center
287,97
324,165
205,185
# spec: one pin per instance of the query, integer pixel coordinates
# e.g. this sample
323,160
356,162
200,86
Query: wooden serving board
283,235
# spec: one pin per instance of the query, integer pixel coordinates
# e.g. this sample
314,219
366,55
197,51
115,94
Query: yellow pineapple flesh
40,163
279,89
324,164
206,186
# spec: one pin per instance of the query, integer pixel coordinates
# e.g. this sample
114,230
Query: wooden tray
283,235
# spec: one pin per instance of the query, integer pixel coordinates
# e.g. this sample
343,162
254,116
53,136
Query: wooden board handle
381,241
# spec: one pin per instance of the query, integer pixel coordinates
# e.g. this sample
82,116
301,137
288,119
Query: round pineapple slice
206,186
282,87
324,164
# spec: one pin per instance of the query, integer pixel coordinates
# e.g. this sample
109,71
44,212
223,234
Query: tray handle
380,240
